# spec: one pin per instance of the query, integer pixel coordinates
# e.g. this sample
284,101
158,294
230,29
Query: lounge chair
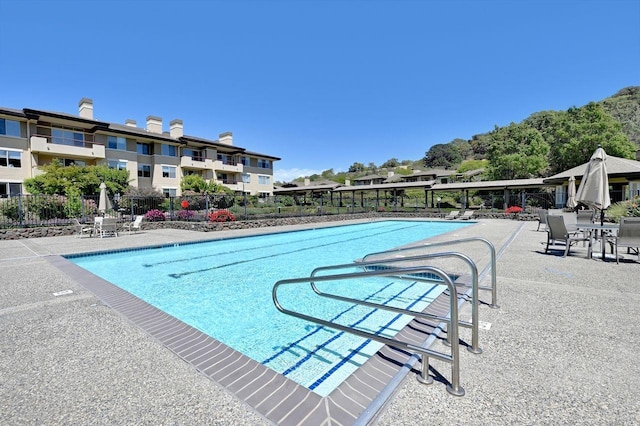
452,215
82,229
468,214
135,225
628,236
557,233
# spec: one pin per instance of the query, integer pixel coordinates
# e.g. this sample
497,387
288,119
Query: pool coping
270,394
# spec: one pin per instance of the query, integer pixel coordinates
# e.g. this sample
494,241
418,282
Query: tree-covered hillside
545,143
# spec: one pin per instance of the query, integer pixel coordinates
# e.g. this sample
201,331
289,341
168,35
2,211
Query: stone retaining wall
56,231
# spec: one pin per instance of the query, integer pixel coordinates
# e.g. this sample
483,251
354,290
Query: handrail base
454,392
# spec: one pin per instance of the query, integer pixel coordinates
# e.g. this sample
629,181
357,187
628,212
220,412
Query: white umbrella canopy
104,204
594,186
572,203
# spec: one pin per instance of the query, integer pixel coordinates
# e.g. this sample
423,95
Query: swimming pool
223,288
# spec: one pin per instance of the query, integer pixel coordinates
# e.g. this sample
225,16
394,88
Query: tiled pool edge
268,393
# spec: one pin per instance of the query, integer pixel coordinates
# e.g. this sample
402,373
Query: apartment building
155,158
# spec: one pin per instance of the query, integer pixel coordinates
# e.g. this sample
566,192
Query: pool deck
561,349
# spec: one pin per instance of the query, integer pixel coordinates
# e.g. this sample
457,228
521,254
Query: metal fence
55,210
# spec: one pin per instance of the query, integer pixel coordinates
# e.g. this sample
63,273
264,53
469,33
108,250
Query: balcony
196,162
68,148
221,166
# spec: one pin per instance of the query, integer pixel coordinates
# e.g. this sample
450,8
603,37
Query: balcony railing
58,140
74,148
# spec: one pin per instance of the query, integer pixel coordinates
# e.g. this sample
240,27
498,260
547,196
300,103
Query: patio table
594,235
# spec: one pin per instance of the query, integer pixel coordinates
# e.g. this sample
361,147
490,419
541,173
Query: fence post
20,209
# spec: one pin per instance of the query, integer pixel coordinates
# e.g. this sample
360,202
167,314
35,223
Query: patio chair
557,233
585,216
468,214
542,219
452,215
136,225
106,226
628,236
82,229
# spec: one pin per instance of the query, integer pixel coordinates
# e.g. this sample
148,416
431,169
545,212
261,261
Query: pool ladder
388,267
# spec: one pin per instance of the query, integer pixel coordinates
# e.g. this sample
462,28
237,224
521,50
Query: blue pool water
223,288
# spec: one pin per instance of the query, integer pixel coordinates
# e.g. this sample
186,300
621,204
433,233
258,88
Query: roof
616,167
308,188
492,184
386,186
369,177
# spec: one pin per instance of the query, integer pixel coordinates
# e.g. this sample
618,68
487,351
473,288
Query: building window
67,137
9,127
10,189
245,161
116,142
10,158
143,148
169,150
169,172
195,155
117,164
169,192
263,180
71,162
227,159
144,170
264,164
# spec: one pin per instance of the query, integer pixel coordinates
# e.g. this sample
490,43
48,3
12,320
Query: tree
195,183
86,180
356,168
442,155
517,151
464,147
579,132
391,163
328,174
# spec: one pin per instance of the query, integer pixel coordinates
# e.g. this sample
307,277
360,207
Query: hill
544,143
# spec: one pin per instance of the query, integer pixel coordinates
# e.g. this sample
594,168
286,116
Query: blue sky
320,84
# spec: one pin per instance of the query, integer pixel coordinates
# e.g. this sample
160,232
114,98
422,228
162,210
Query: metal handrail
454,387
474,324
492,249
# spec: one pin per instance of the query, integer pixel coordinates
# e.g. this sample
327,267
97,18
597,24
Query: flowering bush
184,214
624,209
221,216
154,215
513,209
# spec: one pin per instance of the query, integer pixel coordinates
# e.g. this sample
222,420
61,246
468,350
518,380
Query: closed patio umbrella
104,204
594,187
571,194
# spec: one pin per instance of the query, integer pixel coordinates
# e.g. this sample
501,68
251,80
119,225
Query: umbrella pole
604,259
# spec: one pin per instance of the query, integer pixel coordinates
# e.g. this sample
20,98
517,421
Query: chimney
130,123
85,107
154,124
307,182
226,138
176,129
347,182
